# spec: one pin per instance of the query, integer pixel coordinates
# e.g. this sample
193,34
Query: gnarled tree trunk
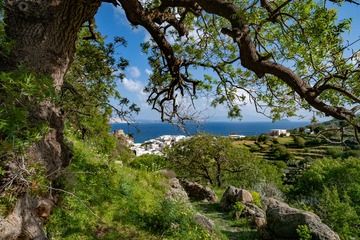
44,32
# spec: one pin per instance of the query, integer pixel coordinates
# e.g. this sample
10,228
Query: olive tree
218,161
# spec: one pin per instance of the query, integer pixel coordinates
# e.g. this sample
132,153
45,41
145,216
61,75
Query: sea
144,131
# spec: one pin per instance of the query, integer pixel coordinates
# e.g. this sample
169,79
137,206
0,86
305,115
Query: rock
198,192
176,191
233,195
283,220
167,173
260,222
251,210
205,222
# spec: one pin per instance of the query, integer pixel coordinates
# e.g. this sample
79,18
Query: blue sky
112,22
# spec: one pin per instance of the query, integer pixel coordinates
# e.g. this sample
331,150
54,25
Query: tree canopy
280,55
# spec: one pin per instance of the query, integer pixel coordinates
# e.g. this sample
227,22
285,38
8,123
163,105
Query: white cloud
147,36
133,86
134,72
148,72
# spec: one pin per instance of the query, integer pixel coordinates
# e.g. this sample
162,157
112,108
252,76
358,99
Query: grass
102,200
230,228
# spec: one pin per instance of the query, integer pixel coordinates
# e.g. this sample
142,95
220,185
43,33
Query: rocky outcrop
233,195
205,222
176,191
283,220
198,192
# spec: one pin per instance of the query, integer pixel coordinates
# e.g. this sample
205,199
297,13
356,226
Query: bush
237,210
254,148
256,198
263,138
100,200
351,153
332,188
314,142
299,141
303,232
339,213
149,162
280,152
334,152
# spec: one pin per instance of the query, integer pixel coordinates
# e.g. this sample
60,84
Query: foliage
99,199
305,36
20,92
280,152
299,141
303,232
90,95
314,142
334,152
263,138
237,210
256,198
332,188
149,162
216,160
339,212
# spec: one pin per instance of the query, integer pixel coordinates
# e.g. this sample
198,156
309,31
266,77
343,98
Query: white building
156,146
235,136
279,132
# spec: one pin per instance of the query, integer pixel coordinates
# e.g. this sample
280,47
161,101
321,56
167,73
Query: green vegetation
304,232
19,90
335,187
148,162
217,161
107,192
299,141
87,103
102,200
280,152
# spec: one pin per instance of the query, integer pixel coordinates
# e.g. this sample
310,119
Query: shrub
334,152
299,141
351,153
333,186
237,210
263,138
303,232
149,162
100,200
314,142
280,164
254,148
256,198
339,212
280,152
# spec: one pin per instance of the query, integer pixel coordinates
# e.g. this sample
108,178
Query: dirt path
230,228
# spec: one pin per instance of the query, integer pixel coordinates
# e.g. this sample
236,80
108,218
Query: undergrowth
102,200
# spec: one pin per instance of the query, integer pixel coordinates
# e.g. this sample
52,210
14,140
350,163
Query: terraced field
298,158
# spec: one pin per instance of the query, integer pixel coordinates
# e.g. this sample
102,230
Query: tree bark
44,35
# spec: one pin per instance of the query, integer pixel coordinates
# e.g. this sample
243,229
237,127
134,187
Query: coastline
144,131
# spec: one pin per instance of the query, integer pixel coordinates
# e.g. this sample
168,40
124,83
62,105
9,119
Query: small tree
299,141
216,160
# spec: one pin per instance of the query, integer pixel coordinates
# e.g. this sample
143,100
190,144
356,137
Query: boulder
176,191
167,173
251,210
205,222
283,220
198,192
233,195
